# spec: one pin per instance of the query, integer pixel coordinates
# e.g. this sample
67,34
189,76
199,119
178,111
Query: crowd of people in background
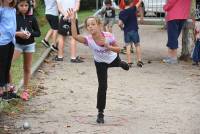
19,27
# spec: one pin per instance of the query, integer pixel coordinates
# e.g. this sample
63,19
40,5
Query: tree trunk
187,42
188,37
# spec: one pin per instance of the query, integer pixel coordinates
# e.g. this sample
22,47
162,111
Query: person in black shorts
51,12
64,30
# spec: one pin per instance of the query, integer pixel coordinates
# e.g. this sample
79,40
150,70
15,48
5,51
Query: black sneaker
124,65
100,118
45,43
56,58
140,63
77,60
54,48
7,96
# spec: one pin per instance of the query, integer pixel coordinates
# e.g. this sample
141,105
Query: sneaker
170,60
100,118
11,88
166,59
56,58
45,43
140,63
124,65
77,60
79,57
7,96
25,95
54,48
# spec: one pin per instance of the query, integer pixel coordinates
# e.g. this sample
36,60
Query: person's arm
138,4
77,37
114,47
34,4
121,24
77,7
169,5
21,34
36,30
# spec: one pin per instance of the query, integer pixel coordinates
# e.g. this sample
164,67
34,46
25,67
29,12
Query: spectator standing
128,22
108,13
7,41
177,12
51,11
64,29
27,30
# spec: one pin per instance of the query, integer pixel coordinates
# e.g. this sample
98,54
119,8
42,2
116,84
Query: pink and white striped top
101,53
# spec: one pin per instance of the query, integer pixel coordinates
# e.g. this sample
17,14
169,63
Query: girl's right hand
71,13
22,35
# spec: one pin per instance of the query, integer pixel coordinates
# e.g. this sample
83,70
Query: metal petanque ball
26,125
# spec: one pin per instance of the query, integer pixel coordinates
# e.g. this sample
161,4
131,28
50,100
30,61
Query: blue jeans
196,52
174,28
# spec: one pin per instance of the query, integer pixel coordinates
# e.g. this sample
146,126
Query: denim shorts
174,28
132,37
25,48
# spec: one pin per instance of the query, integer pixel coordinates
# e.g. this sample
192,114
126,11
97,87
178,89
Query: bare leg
61,40
48,35
128,53
54,36
27,69
138,52
172,53
73,48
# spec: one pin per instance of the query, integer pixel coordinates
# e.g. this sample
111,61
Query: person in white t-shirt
65,30
105,51
51,12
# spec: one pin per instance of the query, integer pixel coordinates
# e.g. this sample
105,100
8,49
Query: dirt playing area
155,99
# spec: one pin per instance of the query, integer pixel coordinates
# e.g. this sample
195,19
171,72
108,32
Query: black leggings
102,69
6,54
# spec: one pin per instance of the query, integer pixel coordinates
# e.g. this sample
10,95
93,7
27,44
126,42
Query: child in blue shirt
128,22
7,40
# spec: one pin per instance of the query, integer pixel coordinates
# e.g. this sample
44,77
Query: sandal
130,64
80,58
140,63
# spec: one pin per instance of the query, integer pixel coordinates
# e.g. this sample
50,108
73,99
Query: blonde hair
92,17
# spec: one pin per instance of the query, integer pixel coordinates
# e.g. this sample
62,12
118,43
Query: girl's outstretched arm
77,37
